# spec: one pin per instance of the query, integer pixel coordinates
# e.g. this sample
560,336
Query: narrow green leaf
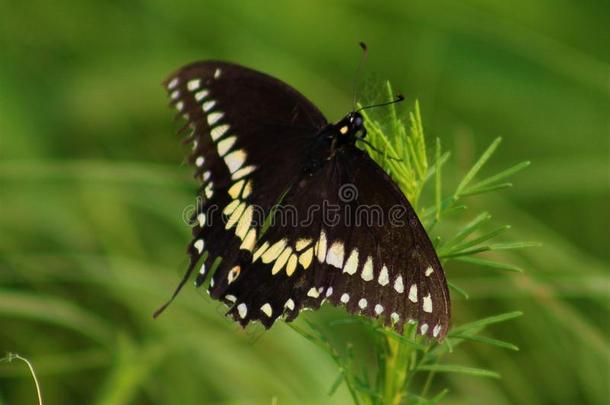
513,245
337,383
469,228
450,368
458,290
477,166
502,175
480,239
481,323
487,340
470,191
489,263
440,396
467,252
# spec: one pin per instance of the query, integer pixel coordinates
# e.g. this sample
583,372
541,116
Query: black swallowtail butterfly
258,142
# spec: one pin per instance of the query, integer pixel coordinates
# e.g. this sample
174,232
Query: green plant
402,359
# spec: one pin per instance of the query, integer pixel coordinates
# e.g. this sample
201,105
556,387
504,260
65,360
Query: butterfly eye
358,121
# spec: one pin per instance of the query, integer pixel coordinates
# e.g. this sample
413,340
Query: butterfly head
351,127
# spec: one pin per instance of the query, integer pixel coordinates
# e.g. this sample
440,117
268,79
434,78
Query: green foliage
400,359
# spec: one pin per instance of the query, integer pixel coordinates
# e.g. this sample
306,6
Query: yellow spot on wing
244,222
260,251
302,244
306,257
236,189
281,261
274,251
292,264
235,216
249,241
231,207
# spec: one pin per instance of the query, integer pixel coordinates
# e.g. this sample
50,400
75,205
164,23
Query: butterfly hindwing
382,267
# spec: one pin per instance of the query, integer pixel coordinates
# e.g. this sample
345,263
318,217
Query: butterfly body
295,213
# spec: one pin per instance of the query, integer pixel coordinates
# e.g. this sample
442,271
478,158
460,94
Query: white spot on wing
243,172
201,94
345,298
334,256
199,245
378,309
413,293
201,219
367,270
173,83
242,309
209,191
429,271
193,85
384,277
398,285
313,293
423,328
230,297
289,304
395,317
362,303
427,305
217,73
329,292
235,160
208,105
225,145
202,269
267,310
321,247
199,161
175,94
179,106
436,330
214,117
352,263
217,132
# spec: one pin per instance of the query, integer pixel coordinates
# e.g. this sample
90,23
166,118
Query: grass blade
489,263
451,368
477,166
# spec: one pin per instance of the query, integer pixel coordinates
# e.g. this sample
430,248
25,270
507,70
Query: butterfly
259,145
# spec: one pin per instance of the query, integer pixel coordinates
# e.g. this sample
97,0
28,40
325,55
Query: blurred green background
91,189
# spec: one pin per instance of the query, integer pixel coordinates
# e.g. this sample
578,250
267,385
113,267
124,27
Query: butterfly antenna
358,72
398,99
